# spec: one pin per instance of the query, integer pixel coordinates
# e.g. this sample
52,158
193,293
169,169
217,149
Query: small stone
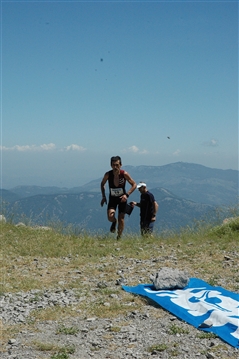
91,319
115,296
120,281
107,304
227,258
102,285
206,324
210,356
12,341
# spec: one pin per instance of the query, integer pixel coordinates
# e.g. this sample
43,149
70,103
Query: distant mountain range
185,192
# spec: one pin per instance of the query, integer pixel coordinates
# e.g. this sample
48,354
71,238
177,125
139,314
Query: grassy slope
206,253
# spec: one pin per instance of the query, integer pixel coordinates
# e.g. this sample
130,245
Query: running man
117,193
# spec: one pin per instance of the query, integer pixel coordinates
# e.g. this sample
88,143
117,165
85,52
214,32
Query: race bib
116,192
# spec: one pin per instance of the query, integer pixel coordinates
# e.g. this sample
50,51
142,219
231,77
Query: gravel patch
144,333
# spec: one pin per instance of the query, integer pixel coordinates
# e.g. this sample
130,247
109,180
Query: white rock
2,218
169,278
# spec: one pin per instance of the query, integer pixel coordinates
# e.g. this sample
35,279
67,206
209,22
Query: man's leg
151,227
120,224
146,228
111,218
142,228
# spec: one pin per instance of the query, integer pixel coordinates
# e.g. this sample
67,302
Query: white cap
141,184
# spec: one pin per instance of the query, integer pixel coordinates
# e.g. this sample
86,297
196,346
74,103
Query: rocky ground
79,309
141,331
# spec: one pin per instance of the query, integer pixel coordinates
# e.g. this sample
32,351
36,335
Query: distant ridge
185,193
187,180
83,210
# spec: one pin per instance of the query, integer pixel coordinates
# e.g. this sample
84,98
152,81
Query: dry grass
38,259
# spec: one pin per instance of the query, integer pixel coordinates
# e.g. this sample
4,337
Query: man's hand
104,200
123,198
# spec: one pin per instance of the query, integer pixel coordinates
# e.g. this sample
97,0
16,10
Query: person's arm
155,207
132,188
137,204
102,187
154,211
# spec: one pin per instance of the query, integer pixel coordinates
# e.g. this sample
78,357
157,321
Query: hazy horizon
74,182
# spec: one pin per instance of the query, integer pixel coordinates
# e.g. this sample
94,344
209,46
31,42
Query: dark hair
114,159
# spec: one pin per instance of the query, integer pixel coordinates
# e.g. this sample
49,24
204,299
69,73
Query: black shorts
115,202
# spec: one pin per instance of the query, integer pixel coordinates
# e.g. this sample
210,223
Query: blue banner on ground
212,309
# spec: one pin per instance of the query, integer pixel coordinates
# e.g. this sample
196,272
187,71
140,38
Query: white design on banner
199,301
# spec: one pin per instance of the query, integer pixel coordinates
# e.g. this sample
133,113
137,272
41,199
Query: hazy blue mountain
84,211
28,191
187,180
185,193
8,196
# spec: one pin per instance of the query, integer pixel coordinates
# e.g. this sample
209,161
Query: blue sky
84,81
